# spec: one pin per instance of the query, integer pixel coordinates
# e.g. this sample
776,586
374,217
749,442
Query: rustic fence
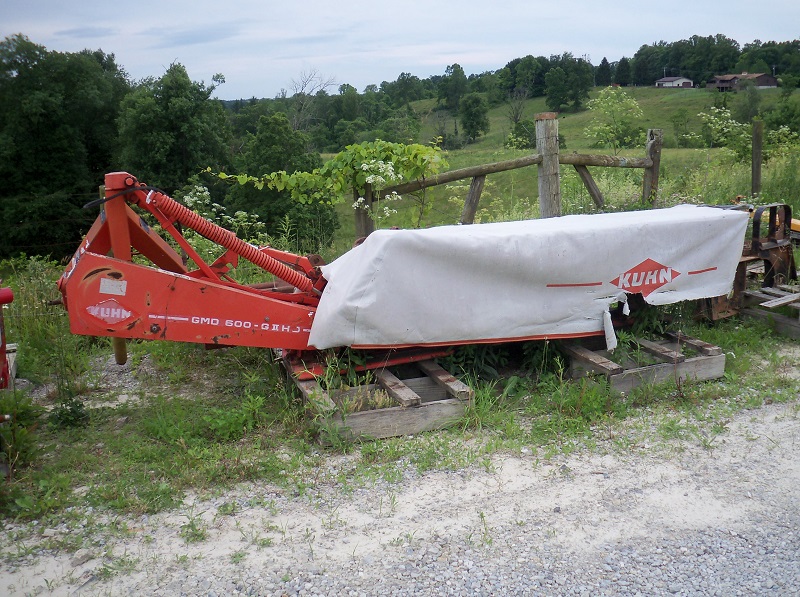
548,161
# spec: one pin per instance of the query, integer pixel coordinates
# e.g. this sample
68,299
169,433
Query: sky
264,47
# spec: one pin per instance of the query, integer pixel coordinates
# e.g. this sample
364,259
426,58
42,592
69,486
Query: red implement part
107,294
313,365
6,296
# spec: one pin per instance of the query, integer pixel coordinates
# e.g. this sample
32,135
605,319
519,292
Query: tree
487,83
305,89
680,124
788,85
277,147
579,82
747,104
407,88
170,129
649,63
516,106
622,74
557,89
602,76
452,87
528,70
614,116
57,135
474,114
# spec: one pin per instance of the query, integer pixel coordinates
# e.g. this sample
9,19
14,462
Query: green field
686,175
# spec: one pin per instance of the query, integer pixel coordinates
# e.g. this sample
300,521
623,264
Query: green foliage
57,134
786,113
747,104
477,361
557,90
473,112
615,117
348,173
226,424
722,130
570,408
170,128
18,447
47,351
622,74
276,147
523,135
698,57
452,87
69,412
602,75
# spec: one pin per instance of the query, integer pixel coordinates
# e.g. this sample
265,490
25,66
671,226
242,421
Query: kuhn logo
109,311
646,277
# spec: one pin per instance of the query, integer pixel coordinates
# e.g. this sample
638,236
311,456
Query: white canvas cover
534,279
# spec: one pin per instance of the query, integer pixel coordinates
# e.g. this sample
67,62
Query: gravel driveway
684,517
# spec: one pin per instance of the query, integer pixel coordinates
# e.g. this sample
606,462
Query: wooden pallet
761,304
707,363
427,399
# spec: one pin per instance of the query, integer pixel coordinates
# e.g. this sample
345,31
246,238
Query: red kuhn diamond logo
109,311
646,277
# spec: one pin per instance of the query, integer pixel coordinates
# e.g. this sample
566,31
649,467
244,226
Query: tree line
68,118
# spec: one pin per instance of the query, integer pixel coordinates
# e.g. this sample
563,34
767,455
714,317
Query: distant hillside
660,106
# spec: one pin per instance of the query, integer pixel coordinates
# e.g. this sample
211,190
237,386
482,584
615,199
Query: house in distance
674,82
733,82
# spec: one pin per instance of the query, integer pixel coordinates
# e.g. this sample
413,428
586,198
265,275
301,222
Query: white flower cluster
380,173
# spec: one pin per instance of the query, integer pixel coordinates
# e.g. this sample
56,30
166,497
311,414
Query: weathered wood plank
454,387
781,301
591,359
772,291
472,200
660,351
591,185
700,346
462,173
701,368
397,389
397,421
612,161
314,395
427,389
11,359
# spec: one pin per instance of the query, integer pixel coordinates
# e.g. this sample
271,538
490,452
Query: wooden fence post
364,223
471,202
758,145
547,146
655,139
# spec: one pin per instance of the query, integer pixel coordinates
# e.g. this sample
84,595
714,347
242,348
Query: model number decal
244,324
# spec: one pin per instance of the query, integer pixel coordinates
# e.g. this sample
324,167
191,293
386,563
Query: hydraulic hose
174,211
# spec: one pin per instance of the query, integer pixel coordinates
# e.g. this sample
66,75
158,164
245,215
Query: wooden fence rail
547,161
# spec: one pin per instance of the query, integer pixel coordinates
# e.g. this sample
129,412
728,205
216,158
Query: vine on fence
350,172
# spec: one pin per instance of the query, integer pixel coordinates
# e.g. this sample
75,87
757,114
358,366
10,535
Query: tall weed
47,351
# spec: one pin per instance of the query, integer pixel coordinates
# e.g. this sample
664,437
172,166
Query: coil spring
225,238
